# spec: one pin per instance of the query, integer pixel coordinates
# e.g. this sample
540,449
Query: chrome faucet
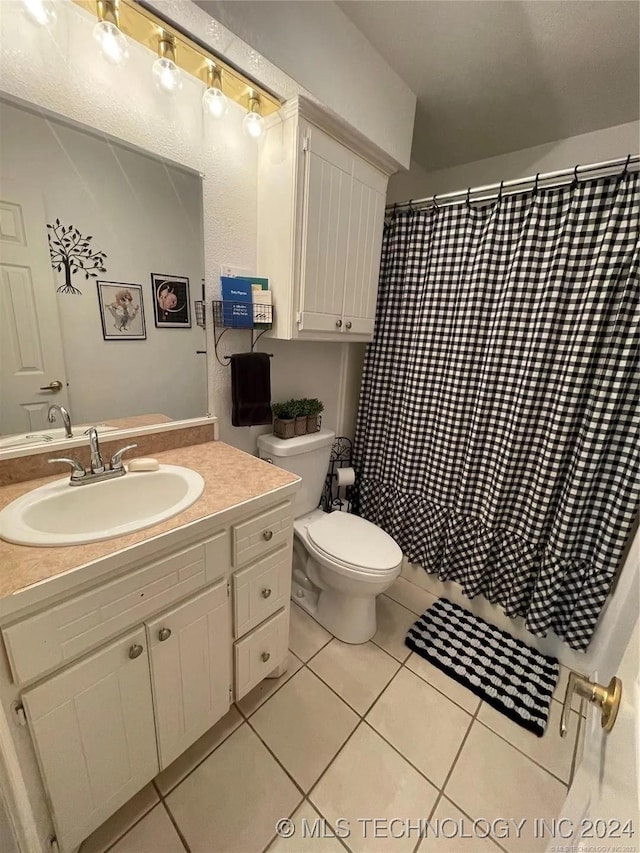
97,470
66,418
97,465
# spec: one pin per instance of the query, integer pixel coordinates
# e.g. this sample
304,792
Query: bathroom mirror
101,263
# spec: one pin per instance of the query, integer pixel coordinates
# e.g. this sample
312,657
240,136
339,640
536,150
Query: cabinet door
190,669
366,221
93,730
327,199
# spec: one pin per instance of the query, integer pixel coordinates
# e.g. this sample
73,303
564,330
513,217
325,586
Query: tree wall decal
71,252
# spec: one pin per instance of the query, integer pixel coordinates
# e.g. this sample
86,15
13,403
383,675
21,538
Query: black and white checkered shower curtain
497,434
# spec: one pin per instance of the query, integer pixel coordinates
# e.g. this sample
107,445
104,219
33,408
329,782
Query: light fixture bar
144,26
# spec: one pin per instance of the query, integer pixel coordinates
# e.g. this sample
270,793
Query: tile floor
350,734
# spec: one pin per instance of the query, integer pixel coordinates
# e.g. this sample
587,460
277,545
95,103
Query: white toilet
340,561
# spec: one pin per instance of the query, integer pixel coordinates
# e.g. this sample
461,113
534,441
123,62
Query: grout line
113,843
275,836
324,772
277,690
176,827
355,710
275,758
338,838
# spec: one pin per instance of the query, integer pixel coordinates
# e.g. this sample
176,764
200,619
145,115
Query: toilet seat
353,545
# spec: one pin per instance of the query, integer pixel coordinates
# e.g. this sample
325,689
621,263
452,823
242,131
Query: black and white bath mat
504,672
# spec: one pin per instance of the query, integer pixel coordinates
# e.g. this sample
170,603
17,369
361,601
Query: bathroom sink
46,435
58,514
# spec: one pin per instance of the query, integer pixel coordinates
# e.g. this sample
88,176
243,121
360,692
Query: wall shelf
229,314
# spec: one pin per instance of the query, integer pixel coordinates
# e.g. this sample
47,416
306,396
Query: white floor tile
313,834
411,596
154,834
552,751
232,801
453,690
204,746
421,723
394,621
306,636
267,687
304,724
370,780
121,821
357,673
450,831
493,780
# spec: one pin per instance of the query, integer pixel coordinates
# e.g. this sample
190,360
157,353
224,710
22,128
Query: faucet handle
78,471
116,459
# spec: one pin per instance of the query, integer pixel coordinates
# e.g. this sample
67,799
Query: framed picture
121,311
171,303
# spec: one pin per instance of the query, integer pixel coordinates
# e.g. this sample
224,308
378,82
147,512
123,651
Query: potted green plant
300,411
284,424
314,407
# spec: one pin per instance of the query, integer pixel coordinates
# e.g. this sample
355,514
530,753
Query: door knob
266,592
164,634
267,535
135,651
606,698
265,656
56,385
348,324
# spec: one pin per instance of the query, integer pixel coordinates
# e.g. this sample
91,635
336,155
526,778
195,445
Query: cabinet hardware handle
348,324
266,593
135,651
164,634
265,656
338,323
267,535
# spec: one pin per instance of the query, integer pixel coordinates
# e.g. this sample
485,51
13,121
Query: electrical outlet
233,272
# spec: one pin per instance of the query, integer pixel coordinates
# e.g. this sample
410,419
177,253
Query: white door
31,356
93,730
366,221
190,669
603,804
327,199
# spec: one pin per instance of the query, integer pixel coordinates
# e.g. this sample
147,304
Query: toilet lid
355,541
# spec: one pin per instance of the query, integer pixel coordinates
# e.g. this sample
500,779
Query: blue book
237,298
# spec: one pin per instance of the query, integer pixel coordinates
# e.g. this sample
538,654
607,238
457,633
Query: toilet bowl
341,562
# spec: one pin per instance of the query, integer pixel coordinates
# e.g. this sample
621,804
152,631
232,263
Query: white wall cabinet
93,730
320,222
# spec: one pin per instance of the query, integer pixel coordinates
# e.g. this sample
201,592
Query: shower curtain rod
545,181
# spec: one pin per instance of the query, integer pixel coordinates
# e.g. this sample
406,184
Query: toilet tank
308,457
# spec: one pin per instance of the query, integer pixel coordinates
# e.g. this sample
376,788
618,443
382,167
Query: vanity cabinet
320,221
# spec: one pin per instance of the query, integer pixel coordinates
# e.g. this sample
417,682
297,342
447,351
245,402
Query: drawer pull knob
265,656
135,651
348,324
338,323
164,634
267,535
266,592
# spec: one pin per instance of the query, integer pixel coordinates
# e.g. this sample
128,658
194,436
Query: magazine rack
225,319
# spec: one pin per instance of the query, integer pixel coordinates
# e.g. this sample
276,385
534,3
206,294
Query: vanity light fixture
253,123
214,101
107,33
166,73
41,12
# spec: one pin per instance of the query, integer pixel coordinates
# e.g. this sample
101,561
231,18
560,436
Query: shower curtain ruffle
550,592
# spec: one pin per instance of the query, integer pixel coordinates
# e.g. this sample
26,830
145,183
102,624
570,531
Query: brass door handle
56,385
606,698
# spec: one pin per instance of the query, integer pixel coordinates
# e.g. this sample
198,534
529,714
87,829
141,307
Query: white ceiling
494,76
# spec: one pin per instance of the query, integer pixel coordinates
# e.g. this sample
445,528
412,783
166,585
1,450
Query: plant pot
284,428
301,425
313,423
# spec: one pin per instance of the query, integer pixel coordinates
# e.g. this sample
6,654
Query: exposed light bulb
41,12
214,102
253,123
166,75
112,43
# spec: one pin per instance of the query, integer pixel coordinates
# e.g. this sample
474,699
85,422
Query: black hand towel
250,389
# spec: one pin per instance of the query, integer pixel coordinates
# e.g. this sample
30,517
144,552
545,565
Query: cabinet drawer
260,590
262,534
47,640
260,652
